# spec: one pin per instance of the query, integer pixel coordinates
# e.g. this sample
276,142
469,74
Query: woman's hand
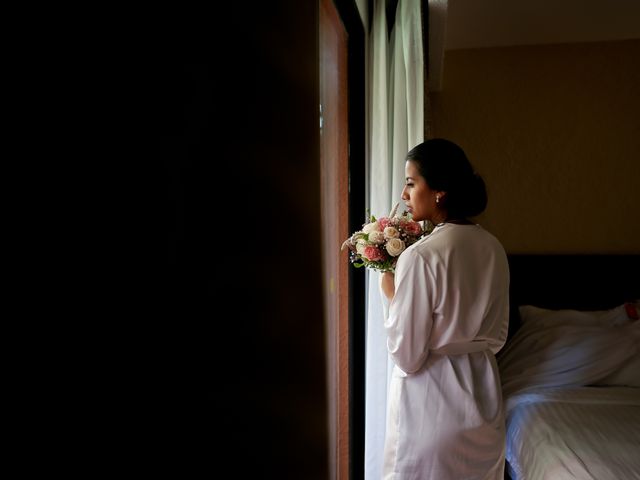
387,284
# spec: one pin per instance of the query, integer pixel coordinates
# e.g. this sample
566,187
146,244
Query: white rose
391,232
376,237
395,247
371,227
360,245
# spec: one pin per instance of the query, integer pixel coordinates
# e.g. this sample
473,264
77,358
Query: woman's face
417,196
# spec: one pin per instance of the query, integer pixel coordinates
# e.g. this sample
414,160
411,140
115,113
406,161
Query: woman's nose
404,195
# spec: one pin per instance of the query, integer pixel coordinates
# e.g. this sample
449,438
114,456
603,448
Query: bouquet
381,241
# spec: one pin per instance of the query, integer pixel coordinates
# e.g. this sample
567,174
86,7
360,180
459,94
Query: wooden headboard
580,282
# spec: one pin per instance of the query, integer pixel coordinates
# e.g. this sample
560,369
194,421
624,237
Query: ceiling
463,24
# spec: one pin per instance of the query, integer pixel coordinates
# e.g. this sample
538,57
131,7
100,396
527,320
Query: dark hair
445,166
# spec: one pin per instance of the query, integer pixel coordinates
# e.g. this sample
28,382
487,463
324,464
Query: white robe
447,320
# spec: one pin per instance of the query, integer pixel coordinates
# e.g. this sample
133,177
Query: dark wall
237,229
582,282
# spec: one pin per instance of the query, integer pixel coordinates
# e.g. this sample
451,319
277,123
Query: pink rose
373,254
413,228
384,223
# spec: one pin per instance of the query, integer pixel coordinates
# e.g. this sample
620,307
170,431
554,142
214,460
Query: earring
438,199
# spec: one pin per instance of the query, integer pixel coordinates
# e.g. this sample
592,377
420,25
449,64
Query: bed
570,368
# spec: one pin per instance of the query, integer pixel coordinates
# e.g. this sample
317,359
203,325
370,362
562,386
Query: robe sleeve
410,319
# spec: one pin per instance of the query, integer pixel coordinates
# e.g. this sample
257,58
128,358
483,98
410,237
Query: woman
448,317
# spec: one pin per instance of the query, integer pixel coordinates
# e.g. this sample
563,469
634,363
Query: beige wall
555,131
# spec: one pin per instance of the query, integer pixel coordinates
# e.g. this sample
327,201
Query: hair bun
476,196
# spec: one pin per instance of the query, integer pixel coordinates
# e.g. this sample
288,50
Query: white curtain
396,124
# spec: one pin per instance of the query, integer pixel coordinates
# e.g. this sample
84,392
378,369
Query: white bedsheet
574,433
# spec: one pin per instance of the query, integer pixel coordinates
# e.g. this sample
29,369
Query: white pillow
628,376
568,348
536,318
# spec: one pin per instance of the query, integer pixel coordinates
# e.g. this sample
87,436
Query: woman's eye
408,184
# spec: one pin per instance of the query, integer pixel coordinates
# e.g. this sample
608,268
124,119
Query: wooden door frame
354,349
